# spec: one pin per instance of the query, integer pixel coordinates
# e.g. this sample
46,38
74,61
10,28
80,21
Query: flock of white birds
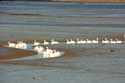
51,53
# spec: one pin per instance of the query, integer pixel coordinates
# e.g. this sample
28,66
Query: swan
68,42
21,45
88,41
72,42
47,52
39,49
45,42
24,45
105,41
36,43
12,45
78,41
55,53
95,41
83,41
54,42
118,41
112,41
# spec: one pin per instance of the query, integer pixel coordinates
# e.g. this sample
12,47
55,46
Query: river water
54,20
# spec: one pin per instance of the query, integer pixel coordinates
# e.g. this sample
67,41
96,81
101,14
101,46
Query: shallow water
46,20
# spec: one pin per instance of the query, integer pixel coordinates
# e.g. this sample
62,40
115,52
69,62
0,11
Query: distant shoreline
81,1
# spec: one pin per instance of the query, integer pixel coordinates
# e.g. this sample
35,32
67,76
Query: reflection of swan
54,42
45,42
36,43
12,45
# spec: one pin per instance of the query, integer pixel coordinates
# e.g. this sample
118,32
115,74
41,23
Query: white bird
95,41
105,41
88,41
45,42
55,54
47,52
67,41
21,45
39,49
78,41
54,42
36,43
12,45
118,41
112,41
72,42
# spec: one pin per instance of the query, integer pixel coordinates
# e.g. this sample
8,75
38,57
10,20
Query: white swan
47,52
112,41
95,41
67,41
72,42
55,54
45,42
78,41
12,45
54,42
39,49
88,41
36,43
21,45
105,41
118,41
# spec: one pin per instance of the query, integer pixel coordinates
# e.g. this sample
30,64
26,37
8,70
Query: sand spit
12,53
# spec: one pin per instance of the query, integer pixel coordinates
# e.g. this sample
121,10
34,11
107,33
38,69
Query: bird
36,43
118,41
39,49
105,41
12,45
95,41
88,41
67,41
47,52
21,45
55,53
45,42
54,42
112,41
72,42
